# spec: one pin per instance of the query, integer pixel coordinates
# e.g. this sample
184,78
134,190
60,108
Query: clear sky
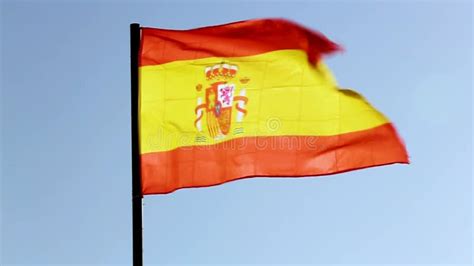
66,184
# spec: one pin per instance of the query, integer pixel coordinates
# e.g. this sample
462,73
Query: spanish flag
250,99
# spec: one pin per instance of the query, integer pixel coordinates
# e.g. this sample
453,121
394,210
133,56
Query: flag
250,99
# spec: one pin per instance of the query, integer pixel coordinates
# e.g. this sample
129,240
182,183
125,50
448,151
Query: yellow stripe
286,96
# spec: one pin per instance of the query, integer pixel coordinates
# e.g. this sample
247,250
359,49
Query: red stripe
287,156
242,38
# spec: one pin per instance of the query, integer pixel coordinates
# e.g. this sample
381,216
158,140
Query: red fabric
242,38
286,156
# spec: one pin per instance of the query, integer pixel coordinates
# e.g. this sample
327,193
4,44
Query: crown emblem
221,72
220,102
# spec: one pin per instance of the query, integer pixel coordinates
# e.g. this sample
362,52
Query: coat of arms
217,100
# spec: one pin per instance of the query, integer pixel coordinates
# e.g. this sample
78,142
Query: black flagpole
136,176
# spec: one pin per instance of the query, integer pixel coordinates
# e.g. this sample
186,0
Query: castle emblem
218,99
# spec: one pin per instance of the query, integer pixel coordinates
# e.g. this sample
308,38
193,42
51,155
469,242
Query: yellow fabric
285,96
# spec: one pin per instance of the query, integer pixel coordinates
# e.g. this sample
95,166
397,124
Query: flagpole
136,176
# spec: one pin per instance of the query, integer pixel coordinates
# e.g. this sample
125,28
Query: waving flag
249,99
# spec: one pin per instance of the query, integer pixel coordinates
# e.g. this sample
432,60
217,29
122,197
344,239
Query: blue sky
66,185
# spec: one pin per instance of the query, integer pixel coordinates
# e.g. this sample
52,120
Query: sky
65,149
